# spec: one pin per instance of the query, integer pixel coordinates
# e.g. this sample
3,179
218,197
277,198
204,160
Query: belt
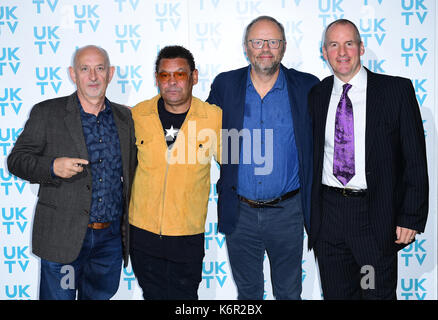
268,203
346,192
99,225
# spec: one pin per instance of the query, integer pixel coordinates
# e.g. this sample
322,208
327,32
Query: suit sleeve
415,203
214,97
27,159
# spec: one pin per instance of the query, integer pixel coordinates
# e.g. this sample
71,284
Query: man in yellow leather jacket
176,135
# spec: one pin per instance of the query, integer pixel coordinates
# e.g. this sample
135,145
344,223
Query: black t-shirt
175,248
171,122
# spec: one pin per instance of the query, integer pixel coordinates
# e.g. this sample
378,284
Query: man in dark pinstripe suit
370,185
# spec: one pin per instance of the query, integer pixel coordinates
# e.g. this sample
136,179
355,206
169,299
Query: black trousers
163,279
351,264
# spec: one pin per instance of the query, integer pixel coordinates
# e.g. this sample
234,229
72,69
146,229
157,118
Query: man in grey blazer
81,150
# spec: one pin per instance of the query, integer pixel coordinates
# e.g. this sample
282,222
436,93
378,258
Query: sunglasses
178,75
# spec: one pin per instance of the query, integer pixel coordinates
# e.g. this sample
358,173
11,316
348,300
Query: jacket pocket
49,205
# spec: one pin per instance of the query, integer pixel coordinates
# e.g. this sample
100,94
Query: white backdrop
37,40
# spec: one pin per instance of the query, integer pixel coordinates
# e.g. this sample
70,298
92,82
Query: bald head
79,51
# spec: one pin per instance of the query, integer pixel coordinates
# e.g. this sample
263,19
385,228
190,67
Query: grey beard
269,71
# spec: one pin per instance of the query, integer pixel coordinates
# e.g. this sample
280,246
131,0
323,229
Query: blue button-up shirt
268,166
105,160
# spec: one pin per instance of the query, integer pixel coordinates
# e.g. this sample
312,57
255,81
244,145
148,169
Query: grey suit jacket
54,129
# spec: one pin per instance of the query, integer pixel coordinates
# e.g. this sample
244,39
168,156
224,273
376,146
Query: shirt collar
279,83
359,81
105,111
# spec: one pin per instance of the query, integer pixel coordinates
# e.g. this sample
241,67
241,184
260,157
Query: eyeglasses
259,43
178,75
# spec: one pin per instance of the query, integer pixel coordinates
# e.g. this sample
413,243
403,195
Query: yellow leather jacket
171,187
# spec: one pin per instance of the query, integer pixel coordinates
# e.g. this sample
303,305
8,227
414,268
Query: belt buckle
344,192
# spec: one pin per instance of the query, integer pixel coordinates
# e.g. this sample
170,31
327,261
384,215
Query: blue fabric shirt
268,122
105,161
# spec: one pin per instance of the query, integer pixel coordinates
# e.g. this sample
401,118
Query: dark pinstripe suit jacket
395,157
54,129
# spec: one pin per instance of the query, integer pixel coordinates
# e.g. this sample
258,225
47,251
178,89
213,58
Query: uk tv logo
14,221
129,76
168,15
213,193
46,37
41,5
8,136
206,74
330,10
48,79
17,292
414,256
9,60
213,240
414,50
213,272
414,11
122,4
10,102
87,18
9,184
128,277
128,37
208,35
16,258
372,31
8,20
420,90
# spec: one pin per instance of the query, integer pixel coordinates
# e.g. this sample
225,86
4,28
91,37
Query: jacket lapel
73,123
372,112
320,119
123,131
237,116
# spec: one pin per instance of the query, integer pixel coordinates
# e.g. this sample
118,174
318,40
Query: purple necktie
343,158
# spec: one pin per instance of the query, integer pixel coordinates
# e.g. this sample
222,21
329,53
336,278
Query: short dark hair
172,52
266,18
343,22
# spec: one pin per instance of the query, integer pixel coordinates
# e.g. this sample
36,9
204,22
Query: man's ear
72,74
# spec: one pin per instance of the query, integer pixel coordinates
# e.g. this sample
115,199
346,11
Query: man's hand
405,235
68,167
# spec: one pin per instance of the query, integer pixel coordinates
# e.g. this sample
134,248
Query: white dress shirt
357,95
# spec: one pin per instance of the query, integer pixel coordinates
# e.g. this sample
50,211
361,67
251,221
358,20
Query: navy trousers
94,275
164,279
351,264
279,231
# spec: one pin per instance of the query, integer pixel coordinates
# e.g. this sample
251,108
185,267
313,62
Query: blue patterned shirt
105,161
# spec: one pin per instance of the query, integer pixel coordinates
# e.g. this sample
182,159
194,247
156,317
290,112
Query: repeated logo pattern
38,38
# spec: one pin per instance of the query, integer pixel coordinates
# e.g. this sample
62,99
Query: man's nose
92,74
342,50
265,44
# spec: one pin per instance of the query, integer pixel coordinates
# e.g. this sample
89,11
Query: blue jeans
95,274
280,232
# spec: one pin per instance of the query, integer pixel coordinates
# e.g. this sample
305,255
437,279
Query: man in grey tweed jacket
81,150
